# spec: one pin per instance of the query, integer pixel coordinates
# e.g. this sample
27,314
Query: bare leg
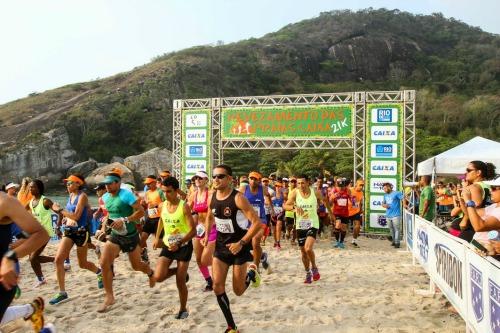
81,253
180,279
62,253
36,260
109,252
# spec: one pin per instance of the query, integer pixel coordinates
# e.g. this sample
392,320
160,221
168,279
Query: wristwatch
11,255
470,203
242,242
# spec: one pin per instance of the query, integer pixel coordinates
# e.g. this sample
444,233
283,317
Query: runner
179,228
278,220
40,207
153,198
75,232
355,209
255,193
198,201
322,212
291,231
11,209
230,211
11,189
268,208
340,199
304,201
124,210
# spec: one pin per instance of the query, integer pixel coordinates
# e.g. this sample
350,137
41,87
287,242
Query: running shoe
341,245
182,315
100,284
144,255
39,283
49,328
397,246
58,298
229,329
275,245
354,243
36,317
18,292
279,246
308,279
263,260
335,245
315,274
253,275
67,265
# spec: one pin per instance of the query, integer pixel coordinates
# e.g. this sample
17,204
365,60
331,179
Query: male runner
340,200
124,209
355,209
304,201
231,211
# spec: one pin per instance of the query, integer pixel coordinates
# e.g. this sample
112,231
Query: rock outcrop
149,163
48,159
97,176
83,168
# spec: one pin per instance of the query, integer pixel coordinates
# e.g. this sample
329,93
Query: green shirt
120,205
427,194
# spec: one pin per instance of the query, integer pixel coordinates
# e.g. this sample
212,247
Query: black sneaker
144,255
397,246
182,315
263,260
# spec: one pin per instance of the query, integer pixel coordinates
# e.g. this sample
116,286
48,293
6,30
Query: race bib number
200,230
342,202
172,239
224,226
152,211
257,210
278,209
267,209
305,224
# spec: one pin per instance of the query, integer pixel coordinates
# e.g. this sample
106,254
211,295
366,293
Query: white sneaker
67,267
39,283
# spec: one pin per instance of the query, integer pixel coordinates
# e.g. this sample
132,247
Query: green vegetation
455,69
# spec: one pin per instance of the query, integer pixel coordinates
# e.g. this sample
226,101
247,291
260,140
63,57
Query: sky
46,44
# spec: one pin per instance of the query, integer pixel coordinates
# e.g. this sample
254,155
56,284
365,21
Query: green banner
384,160
288,122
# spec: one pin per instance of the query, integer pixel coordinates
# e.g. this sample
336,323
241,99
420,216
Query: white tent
454,161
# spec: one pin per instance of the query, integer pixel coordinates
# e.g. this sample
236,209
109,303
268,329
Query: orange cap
118,171
149,180
165,173
265,179
255,174
74,179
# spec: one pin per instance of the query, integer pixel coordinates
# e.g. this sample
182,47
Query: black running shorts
184,253
126,243
151,225
303,234
289,221
222,253
79,237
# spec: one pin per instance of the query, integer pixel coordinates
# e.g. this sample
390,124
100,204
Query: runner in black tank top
231,211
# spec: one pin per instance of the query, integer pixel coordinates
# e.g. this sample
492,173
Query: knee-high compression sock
204,271
336,232
224,306
16,312
342,236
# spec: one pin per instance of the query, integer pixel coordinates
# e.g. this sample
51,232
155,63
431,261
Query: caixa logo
423,244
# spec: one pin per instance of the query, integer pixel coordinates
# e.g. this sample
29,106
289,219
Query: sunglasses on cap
220,176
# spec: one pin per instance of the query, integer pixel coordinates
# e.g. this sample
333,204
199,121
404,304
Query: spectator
392,203
444,199
427,204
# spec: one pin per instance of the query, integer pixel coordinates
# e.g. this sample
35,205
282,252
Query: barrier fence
470,282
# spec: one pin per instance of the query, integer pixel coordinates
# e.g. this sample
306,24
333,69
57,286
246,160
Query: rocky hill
454,67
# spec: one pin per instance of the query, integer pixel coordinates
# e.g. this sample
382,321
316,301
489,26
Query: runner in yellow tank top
179,228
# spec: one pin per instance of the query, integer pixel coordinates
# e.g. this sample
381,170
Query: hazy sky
49,43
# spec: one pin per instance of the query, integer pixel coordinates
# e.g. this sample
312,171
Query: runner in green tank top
304,201
178,228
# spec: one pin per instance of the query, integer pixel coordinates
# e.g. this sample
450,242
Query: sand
366,289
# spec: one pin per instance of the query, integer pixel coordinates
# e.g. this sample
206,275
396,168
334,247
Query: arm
475,216
290,202
267,197
209,220
326,203
82,204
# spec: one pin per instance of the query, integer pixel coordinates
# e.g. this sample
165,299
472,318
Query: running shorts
212,236
184,253
342,219
290,221
303,234
223,254
79,236
126,243
151,225
355,217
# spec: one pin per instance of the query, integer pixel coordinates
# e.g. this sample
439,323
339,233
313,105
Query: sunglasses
469,170
293,181
253,178
221,176
495,188
69,183
197,178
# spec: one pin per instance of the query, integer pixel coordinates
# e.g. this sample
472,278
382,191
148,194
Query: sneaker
100,284
208,288
39,282
393,244
253,275
144,255
354,243
59,297
36,317
308,279
335,245
49,328
341,245
315,274
67,265
275,245
263,260
18,292
397,246
278,247
229,329
182,315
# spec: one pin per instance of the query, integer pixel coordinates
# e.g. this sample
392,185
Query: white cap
494,182
201,174
285,179
11,185
325,185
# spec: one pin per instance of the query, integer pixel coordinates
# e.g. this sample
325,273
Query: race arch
379,126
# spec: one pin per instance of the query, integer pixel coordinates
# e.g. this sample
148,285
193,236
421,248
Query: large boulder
149,163
97,176
117,159
83,168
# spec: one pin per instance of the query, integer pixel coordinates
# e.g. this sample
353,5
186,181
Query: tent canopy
454,161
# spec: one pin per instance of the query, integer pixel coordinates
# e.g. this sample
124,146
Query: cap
165,173
324,185
99,186
74,179
111,179
11,185
118,171
201,174
255,174
285,179
494,182
265,179
149,180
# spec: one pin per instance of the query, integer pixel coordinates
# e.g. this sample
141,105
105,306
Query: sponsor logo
476,285
376,202
197,135
449,267
196,120
385,115
195,151
227,211
384,150
384,168
382,133
377,184
192,166
423,244
378,220
494,290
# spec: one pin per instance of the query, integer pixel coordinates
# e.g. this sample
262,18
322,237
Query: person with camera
124,211
75,232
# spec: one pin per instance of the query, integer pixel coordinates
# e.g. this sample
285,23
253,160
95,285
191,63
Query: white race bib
257,210
267,209
278,209
200,230
305,224
224,226
172,239
342,202
153,211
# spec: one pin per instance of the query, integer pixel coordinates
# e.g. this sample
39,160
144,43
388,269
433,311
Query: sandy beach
369,289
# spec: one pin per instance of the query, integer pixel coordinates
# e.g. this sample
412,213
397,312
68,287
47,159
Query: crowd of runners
223,219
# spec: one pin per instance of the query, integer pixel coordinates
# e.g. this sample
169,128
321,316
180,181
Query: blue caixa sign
383,150
196,151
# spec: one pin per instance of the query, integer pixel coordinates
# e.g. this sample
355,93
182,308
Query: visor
495,182
110,179
149,180
165,174
118,171
255,174
11,185
99,186
74,179
201,174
